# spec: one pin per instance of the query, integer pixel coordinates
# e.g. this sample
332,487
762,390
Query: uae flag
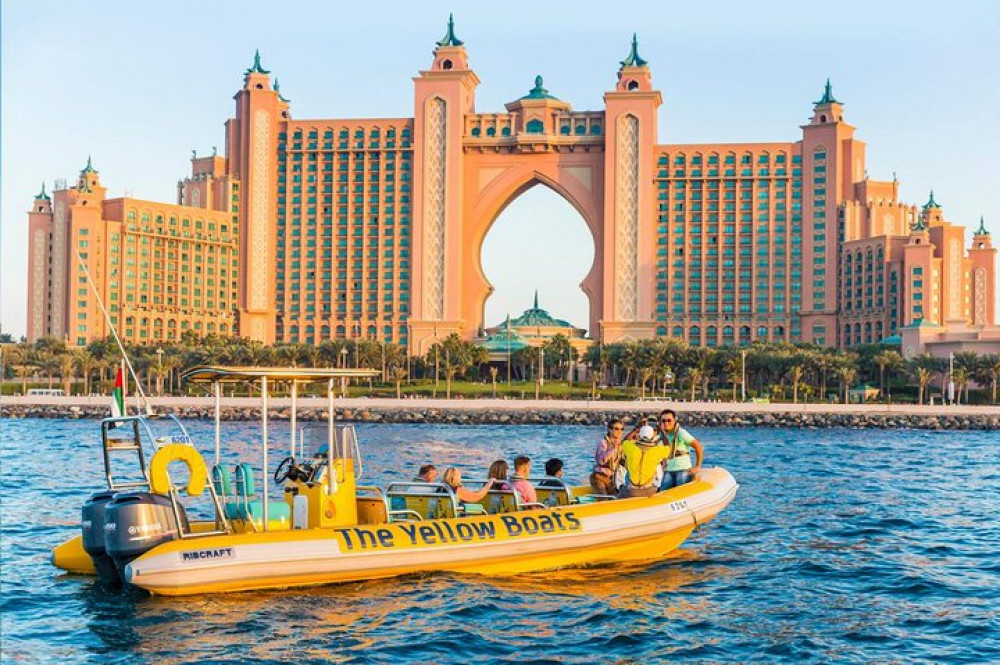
118,396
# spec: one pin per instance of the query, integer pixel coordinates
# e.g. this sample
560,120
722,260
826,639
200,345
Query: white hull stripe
323,556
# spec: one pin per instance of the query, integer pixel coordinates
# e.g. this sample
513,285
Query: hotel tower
312,229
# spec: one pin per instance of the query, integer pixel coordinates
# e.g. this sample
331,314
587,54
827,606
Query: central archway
578,179
538,243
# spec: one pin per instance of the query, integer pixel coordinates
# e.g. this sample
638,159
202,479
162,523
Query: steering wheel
300,472
281,473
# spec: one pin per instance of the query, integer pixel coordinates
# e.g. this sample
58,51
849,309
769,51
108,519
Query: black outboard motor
136,522
92,526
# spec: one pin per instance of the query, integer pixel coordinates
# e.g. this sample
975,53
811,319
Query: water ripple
815,562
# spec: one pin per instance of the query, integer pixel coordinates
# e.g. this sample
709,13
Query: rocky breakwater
550,416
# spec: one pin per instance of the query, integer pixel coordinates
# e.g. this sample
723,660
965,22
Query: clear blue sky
140,84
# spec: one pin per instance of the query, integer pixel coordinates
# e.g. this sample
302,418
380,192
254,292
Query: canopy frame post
263,428
295,395
330,440
217,388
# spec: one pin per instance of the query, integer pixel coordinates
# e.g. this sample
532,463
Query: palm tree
961,378
883,360
695,375
67,364
823,362
734,372
924,377
398,372
847,374
966,363
493,376
988,371
795,374
86,364
22,358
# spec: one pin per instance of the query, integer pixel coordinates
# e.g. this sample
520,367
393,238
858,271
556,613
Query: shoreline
500,411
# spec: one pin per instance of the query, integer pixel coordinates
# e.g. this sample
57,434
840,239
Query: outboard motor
136,522
92,526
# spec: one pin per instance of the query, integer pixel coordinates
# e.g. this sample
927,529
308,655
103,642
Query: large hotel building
312,229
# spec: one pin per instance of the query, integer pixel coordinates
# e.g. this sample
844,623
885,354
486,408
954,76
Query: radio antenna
121,347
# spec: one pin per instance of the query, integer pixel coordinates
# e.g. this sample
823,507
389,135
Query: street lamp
951,378
437,364
159,371
541,373
356,326
743,376
381,344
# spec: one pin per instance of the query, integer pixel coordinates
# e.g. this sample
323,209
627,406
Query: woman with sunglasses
678,468
607,458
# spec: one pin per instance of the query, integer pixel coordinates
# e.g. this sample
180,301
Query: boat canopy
207,374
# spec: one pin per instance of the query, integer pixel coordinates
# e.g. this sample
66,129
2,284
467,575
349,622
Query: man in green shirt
679,443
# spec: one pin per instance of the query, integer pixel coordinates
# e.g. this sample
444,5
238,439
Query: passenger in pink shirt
519,481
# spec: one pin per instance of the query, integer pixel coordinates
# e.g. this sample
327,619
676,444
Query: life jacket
641,459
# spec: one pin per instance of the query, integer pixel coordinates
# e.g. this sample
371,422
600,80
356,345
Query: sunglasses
618,427
666,420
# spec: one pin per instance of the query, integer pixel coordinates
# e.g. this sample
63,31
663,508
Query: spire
42,194
449,38
536,298
981,231
931,203
256,68
89,168
919,223
634,59
277,89
538,92
828,97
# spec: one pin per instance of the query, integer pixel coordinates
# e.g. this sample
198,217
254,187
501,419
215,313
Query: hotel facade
314,229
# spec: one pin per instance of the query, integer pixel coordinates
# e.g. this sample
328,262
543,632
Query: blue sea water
842,546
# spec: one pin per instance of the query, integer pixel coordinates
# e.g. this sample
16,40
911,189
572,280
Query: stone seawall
695,418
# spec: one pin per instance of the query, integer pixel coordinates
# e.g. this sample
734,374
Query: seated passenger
554,468
453,479
607,458
524,489
679,469
642,458
498,472
428,474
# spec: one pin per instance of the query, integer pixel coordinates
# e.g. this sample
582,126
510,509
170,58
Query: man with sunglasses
678,467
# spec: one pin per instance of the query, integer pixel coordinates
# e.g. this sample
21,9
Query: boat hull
597,533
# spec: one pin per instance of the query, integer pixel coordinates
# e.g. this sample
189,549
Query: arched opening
539,241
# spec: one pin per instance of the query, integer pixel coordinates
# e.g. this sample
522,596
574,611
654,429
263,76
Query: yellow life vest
641,461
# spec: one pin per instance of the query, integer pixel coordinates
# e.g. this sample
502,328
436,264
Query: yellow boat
330,529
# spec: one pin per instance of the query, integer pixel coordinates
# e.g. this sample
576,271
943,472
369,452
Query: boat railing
131,442
222,526
424,492
402,515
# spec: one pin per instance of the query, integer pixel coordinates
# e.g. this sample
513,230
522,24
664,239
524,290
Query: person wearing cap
642,457
678,469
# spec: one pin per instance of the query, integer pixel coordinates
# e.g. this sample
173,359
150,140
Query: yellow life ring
159,481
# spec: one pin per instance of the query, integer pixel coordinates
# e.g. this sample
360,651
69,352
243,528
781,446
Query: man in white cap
642,458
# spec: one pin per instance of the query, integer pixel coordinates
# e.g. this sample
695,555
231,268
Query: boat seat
244,507
500,501
553,492
471,509
222,480
435,502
